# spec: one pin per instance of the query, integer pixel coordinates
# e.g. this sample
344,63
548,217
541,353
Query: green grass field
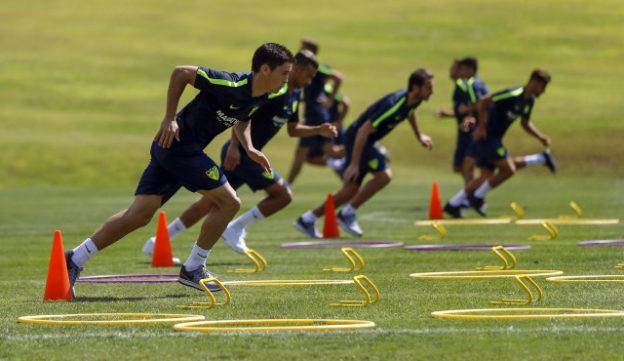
82,87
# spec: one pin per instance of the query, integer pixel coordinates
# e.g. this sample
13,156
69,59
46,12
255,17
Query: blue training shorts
168,170
488,152
371,161
248,172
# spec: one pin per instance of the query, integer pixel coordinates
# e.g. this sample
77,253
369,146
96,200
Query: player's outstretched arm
480,131
232,155
298,130
530,128
180,77
424,139
353,169
243,133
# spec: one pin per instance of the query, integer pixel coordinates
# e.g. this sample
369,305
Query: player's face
538,87
454,71
278,76
426,90
302,76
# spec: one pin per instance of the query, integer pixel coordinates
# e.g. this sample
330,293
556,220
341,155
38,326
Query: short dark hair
272,54
306,58
419,77
307,43
470,62
540,75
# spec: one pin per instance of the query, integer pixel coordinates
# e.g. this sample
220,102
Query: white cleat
148,249
235,239
349,224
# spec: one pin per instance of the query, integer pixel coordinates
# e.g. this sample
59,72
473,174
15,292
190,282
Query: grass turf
81,93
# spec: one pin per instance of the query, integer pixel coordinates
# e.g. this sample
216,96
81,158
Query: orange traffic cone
57,284
330,226
435,204
162,257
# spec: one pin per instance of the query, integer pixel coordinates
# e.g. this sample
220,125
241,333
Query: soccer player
363,158
177,159
496,113
334,156
468,90
317,105
240,169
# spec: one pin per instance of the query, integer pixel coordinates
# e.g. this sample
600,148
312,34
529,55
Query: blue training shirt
508,105
223,100
467,91
385,114
314,97
282,108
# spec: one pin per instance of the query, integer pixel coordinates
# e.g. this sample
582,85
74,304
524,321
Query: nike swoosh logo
88,250
234,107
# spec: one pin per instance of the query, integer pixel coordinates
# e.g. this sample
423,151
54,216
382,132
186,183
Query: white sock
308,217
175,228
482,190
84,252
534,159
347,209
248,218
458,199
197,258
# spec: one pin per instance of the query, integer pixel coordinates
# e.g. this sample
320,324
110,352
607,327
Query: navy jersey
385,114
467,91
269,119
336,108
315,95
223,100
508,105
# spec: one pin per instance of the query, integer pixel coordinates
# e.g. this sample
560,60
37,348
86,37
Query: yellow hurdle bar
259,262
519,280
355,261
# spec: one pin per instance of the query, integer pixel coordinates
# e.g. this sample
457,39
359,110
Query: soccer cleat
192,278
349,224
234,237
478,204
73,271
549,161
453,211
148,249
307,228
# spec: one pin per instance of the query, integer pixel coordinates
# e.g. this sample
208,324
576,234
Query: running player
240,169
224,100
317,105
496,113
363,158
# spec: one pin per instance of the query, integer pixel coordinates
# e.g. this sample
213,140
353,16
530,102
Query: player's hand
545,140
328,130
168,131
426,141
351,173
258,157
443,113
467,123
463,108
479,133
232,158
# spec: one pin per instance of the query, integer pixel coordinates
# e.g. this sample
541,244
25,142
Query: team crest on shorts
267,175
373,164
213,173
